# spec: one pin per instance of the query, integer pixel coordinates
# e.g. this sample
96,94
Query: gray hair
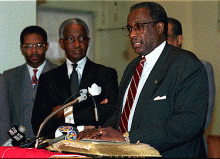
72,21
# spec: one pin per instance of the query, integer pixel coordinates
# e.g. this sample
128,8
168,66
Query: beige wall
199,20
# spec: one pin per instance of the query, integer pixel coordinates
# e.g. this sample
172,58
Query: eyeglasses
81,38
138,28
38,46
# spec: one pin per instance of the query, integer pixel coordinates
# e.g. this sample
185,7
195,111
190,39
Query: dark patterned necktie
123,125
34,77
74,81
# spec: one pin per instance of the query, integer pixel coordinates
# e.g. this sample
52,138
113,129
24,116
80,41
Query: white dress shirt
68,112
79,68
151,59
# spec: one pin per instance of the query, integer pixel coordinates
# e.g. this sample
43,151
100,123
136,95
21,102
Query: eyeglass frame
71,39
124,31
33,45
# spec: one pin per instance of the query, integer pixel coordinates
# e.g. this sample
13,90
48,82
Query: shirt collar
80,65
40,69
153,56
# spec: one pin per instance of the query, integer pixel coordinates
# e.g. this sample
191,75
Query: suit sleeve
45,100
5,123
210,74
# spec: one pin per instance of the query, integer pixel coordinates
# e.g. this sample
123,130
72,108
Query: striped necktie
123,125
34,78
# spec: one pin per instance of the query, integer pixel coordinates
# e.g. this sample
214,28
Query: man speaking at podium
76,73
171,87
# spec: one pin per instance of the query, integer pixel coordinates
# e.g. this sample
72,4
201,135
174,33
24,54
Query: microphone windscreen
22,129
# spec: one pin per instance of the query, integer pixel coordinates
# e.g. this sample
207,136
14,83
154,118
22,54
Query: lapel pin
155,82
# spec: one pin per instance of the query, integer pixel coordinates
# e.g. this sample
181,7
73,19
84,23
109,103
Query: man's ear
22,50
160,27
180,39
46,46
61,43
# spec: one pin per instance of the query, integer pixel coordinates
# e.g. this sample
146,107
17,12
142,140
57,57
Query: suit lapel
61,81
88,75
156,76
46,67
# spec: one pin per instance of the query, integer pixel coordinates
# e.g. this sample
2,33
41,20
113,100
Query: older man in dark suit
56,87
22,81
171,87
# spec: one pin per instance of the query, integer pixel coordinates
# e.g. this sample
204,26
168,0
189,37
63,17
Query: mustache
77,49
135,40
35,55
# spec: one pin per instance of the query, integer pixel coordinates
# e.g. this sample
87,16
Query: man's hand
108,134
105,101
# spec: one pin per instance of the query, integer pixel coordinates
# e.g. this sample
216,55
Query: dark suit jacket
21,95
54,89
5,123
175,125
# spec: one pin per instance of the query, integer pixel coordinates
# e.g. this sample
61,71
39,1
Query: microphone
65,132
16,135
82,97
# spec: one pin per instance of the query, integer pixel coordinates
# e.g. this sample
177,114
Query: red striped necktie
34,77
123,125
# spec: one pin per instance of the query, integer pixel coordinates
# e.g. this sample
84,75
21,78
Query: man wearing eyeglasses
22,81
163,93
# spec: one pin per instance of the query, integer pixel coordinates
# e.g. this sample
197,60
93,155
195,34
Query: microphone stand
77,100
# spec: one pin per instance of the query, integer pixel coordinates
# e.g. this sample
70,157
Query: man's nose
76,43
33,48
132,33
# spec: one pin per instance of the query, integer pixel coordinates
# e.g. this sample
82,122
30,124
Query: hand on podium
108,134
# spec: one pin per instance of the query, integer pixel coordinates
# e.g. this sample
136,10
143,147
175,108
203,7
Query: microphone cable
95,110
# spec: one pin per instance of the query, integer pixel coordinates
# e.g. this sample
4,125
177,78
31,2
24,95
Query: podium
105,149
82,149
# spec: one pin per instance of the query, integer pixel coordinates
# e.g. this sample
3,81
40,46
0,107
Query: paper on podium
100,148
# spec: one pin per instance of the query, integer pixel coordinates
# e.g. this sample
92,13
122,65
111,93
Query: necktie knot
74,66
143,60
35,70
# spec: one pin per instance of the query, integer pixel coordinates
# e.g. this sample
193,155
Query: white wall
14,17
